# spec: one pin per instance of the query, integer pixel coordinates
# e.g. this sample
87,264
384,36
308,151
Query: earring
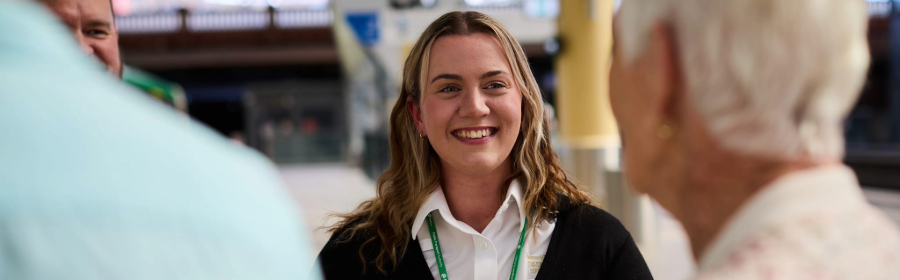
665,130
421,137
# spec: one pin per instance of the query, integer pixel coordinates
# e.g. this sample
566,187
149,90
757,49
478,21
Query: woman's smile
475,135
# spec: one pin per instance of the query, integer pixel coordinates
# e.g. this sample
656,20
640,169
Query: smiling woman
471,112
471,159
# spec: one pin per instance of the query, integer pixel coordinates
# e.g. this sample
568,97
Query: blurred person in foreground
474,189
731,116
96,184
92,24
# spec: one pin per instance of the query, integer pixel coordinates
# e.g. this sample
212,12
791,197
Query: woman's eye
496,85
449,89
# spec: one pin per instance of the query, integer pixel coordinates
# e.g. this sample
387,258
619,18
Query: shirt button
483,245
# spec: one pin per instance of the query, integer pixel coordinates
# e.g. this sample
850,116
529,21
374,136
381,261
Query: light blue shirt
97,181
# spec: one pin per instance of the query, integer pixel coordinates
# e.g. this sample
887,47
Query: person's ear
416,112
664,68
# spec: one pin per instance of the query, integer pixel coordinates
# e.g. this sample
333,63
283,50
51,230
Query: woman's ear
416,113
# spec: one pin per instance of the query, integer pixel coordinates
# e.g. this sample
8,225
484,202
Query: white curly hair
770,77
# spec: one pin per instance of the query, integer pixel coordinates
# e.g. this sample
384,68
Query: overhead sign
365,25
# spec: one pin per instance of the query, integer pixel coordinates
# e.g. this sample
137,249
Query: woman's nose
473,105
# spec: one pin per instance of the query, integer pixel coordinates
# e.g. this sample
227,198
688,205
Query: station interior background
309,83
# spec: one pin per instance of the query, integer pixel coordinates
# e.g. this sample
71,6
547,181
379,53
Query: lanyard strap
439,255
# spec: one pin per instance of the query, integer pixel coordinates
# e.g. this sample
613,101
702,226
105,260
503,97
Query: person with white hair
731,118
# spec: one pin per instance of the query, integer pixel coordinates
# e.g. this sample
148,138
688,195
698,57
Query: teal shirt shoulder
98,181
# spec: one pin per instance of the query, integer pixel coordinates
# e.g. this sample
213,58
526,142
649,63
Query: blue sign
365,25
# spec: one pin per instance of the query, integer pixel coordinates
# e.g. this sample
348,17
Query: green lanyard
439,256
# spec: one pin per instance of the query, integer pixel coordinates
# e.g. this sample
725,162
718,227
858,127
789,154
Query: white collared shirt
487,255
812,224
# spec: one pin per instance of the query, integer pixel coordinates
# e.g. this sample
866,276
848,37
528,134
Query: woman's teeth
474,134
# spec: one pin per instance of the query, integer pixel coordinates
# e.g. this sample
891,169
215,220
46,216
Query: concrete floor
323,190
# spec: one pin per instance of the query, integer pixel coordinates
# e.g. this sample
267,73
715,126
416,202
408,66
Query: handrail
183,20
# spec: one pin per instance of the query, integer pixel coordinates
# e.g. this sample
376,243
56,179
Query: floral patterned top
814,224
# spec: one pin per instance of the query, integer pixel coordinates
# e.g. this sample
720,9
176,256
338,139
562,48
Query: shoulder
589,227
340,258
586,221
590,220
595,241
347,256
819,242
343,240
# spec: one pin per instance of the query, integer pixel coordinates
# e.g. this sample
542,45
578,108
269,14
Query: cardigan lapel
413,265
556,247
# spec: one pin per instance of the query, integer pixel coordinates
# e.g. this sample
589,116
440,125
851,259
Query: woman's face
471,107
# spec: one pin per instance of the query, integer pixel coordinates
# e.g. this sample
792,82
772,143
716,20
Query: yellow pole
582,68
587,125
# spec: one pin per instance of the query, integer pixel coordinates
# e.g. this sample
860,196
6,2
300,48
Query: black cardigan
587,243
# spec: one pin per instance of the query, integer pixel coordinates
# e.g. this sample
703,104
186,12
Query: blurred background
310,83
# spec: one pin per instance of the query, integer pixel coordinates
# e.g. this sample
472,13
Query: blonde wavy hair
414,171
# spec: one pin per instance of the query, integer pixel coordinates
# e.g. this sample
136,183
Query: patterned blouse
814,224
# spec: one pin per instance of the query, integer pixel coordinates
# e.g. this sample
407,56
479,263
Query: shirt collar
793,195
437,201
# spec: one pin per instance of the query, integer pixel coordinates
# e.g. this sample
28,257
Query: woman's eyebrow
492,73
446,76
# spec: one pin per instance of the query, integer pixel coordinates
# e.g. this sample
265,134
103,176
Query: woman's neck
474,198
